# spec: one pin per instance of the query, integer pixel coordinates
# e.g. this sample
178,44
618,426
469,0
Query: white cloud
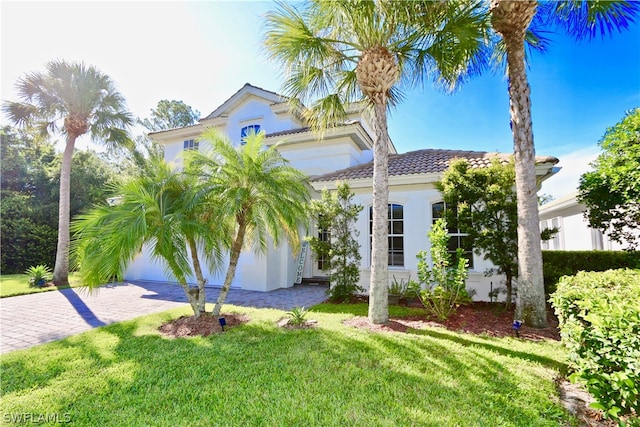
573,165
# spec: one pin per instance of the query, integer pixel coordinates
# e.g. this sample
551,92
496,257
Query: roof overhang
355,131
172,135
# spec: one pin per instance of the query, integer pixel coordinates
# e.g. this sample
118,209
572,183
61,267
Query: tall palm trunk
61,269
378,285
511,19
236,250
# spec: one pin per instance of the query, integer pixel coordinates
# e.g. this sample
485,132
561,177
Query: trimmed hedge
599,314
568,263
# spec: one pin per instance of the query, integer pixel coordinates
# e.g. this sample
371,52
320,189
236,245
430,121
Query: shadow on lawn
292,377
545,361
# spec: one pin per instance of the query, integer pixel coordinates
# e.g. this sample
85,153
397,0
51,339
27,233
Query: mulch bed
205,325
479,318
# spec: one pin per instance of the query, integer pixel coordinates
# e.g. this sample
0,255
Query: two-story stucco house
345,153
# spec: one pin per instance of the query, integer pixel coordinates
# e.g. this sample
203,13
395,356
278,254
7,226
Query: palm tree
256,189
164,209
339,52
72,99
511,19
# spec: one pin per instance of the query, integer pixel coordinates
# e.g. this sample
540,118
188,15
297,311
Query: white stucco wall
317,158
416,201
575,233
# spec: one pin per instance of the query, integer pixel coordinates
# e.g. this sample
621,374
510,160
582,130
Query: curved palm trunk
236,250
61,269
378,285
199,296
511,19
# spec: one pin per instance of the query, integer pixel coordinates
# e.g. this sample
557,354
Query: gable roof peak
245,91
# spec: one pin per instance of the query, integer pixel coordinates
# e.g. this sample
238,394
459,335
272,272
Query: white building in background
345,153
567,214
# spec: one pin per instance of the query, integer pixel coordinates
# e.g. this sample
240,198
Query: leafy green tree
72,99
336,214
169,115
511,19
164,209
611,191
337,53
253,190
30,171
486,209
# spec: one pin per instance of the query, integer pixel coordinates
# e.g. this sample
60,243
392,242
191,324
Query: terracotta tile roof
421,162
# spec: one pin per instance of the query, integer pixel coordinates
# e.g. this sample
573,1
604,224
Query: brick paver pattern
29,320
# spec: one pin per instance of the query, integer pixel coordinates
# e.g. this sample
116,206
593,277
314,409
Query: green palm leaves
224,197
321,43
73,99
254,186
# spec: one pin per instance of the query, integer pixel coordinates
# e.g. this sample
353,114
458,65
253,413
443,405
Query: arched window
395,232
457,239
248,130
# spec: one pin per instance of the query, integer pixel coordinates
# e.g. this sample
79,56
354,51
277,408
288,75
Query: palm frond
589,19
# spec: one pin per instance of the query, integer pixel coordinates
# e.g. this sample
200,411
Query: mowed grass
18,284
261,375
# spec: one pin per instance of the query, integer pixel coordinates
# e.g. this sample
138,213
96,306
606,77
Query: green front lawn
18,284
258,374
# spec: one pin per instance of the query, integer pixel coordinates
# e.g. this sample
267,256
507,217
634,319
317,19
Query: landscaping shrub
444,285
39,275
599,315
568,263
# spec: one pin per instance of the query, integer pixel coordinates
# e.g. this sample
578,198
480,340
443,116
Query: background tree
169,115
511,20
335,214
133,159
611,191
163,208
253,187
30,173
337,53
71,99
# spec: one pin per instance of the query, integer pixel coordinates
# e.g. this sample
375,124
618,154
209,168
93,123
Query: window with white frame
457,239
246,131
191,144
395,232
323,260
556,242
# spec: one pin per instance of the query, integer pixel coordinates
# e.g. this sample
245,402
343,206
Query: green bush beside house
599,315
568,263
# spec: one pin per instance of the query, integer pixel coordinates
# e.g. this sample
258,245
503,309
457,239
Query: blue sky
202,52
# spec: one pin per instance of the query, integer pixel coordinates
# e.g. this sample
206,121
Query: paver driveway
28,320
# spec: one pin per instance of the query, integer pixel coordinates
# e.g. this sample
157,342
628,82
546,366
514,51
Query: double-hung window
191,144
395,232
323,261
457,239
